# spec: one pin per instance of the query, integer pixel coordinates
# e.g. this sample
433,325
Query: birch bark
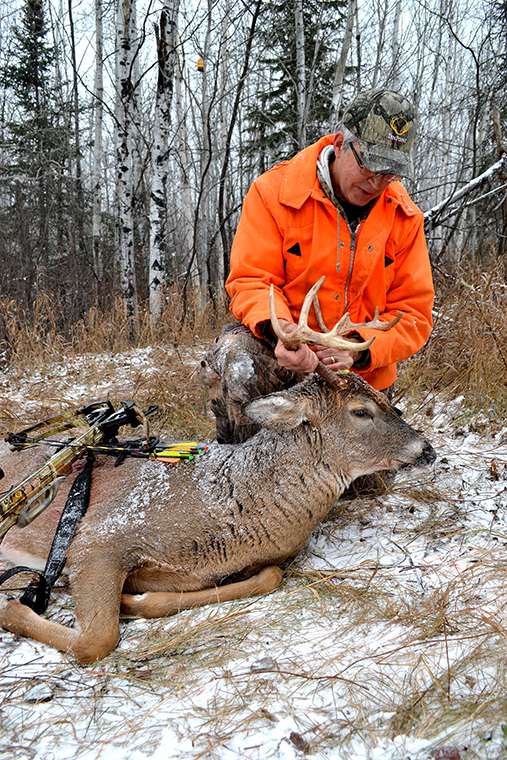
201,231
340,66
97,144
125,31
395,78
300,74
186,195
166,54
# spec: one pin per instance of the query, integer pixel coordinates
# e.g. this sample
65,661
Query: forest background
131,131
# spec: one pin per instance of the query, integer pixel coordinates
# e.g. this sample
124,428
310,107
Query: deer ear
278,411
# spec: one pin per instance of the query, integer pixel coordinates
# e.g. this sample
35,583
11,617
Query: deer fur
161,538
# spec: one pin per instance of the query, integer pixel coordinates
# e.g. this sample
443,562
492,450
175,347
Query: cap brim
378,158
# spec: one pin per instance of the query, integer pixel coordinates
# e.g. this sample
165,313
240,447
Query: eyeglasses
387,178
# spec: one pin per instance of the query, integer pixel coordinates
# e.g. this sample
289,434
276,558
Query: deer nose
427,455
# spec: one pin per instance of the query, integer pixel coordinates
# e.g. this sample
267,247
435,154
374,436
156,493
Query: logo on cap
400,126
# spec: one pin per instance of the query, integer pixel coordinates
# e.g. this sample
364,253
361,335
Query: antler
329,338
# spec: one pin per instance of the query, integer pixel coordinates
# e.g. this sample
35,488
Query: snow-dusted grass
386,640
162,375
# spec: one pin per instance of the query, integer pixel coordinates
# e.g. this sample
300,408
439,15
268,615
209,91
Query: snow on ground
75,380
387,640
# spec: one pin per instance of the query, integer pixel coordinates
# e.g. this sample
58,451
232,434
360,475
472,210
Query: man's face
350,183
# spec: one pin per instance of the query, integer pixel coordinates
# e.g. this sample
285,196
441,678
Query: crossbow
22,503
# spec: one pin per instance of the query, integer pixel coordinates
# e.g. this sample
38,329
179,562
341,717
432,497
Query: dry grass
466,355
47,363
33,340
467,352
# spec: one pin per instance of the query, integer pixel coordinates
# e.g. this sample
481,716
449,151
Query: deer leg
97,617
17,618
154,604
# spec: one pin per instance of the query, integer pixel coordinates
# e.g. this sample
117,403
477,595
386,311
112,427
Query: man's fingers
301,360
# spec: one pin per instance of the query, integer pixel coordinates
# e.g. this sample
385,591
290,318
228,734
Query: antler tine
345,324
310,296
302,334
329,338
318,314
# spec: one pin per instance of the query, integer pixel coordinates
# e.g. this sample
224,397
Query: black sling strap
38,592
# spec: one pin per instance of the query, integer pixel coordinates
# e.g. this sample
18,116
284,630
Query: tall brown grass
31,346
31,336
466,354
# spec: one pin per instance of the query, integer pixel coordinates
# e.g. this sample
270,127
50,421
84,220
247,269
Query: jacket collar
300,179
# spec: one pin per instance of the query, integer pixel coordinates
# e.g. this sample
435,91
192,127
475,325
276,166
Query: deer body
157,539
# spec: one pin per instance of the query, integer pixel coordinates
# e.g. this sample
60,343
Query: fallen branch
431,217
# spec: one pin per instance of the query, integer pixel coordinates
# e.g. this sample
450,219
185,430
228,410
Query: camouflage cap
385,125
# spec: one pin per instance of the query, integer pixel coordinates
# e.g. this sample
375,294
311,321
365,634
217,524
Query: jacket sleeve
256,262
410,292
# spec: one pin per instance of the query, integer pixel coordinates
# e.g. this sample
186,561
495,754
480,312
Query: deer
158,539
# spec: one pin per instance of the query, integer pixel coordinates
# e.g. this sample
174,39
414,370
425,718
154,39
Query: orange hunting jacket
290,234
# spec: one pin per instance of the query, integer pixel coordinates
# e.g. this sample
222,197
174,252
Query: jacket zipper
353,242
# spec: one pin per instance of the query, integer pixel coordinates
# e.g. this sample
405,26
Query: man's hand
305,360
335,358
301,360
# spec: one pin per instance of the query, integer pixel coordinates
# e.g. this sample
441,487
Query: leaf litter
386,640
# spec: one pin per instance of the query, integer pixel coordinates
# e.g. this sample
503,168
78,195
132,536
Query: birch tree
201,230
300,75
166,35
185,195
78,194
97,144
340,66
266,91
395,46
125,31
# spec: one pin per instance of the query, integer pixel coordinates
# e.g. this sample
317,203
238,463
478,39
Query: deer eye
360,413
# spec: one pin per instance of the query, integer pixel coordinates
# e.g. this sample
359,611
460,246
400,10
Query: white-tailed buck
158,539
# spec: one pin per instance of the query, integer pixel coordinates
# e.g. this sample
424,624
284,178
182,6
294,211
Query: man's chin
363,198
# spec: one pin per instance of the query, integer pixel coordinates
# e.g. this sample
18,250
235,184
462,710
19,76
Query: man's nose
376,180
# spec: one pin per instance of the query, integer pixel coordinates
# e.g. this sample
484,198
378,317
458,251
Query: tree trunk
97,147
124,158
166,51
340,66
186,197
395,78
382,22
78,199
201,230
300,75
358,52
